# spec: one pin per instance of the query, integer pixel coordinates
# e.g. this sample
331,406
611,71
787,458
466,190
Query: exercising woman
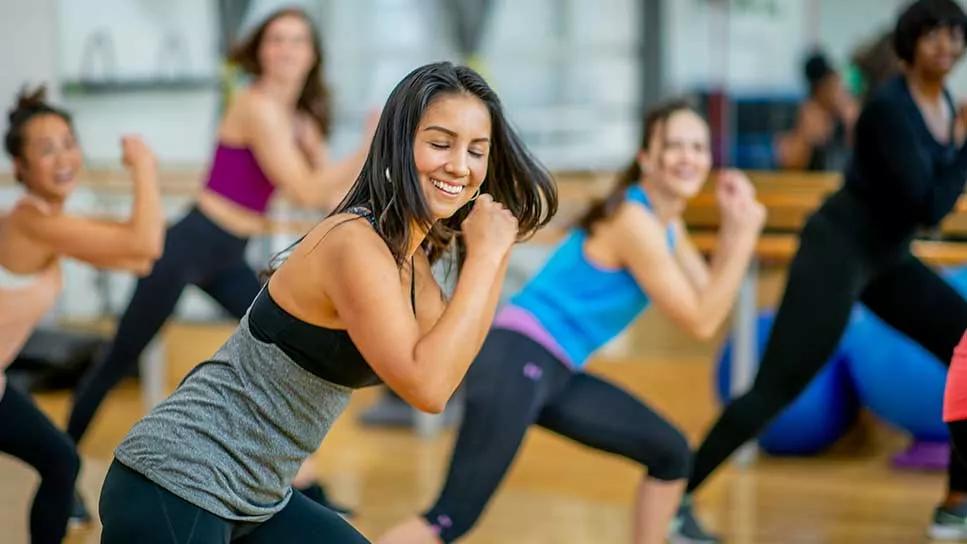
34,236
630,251
272,137
908,169
353,304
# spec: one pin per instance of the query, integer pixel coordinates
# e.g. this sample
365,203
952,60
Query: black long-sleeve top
908,178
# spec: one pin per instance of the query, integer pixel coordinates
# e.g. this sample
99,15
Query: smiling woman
630,249
33,238
353,303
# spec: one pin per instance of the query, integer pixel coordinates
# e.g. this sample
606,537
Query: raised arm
697,304
132,245
305,175
423,367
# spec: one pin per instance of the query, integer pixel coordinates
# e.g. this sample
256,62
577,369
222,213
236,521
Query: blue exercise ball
819,416
899,381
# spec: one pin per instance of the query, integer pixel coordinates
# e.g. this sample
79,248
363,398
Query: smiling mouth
64,177
447,188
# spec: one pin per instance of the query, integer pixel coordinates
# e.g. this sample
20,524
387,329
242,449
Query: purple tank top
236,175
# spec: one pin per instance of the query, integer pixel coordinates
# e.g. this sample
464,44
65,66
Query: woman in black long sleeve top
907,171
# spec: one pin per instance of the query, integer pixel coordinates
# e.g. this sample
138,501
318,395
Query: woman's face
938,51
451,151
679,155
51,157
286,51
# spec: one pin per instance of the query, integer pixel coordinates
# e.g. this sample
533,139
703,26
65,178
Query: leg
234,287
135,509
605,417
950,518
189,254
506,388
825,279
958,435
303,520
153,302
27,434
913,299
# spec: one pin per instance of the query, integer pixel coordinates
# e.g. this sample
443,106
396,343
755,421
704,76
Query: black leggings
197,251
839,262
515,383
27,434
135,509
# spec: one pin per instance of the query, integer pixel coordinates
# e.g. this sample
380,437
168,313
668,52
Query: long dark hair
314,100
514,177
656,116
29,104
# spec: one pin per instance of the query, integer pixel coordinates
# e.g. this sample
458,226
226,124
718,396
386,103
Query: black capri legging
843,258
27,434
515,383
197,251
135,509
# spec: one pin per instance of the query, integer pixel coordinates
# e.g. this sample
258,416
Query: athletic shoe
949,524
686,529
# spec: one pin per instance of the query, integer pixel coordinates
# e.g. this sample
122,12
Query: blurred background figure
820,140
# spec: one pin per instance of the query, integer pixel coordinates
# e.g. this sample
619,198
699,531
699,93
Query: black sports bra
327,353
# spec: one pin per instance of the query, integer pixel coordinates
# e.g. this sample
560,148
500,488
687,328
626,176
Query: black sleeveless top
328,353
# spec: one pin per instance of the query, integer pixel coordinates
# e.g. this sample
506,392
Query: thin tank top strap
364,212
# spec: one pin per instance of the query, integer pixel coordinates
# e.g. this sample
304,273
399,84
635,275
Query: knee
671,459
62,463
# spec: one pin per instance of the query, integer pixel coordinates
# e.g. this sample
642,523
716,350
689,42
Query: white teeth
447,187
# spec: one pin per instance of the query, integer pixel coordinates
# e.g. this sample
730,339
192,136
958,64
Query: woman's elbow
423,397
142,268
154,250
431,406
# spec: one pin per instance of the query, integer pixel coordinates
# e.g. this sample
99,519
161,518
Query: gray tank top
231,438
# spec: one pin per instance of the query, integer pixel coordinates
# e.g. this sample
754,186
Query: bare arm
362,280
794,149
698,309
689,258
280,157
133,244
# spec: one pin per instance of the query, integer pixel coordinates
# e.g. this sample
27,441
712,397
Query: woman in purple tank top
271,136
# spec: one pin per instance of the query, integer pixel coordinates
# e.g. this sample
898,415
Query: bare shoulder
253,106
636,218
25,212
343,239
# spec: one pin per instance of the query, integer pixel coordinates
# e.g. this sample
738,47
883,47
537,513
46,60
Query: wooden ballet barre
781,248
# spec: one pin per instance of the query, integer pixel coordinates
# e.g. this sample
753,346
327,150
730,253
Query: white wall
751,49
28,39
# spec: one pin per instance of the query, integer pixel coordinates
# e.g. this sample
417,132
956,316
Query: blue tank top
579,304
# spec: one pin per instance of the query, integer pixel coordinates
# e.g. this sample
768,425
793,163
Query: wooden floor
558,492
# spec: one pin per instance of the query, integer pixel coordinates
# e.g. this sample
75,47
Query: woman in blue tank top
630,250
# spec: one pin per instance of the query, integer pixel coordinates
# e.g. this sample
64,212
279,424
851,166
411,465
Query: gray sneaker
686,529
949,524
